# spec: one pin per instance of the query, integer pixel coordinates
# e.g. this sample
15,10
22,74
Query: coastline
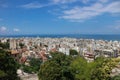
107,37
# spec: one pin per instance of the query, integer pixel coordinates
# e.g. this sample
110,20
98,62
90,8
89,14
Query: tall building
13,44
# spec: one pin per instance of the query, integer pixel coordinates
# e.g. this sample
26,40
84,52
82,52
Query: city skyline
59,17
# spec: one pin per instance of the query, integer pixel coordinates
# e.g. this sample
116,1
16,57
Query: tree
63,67
73,52
21,45
116,77
81,69
102,70
8,66
33,67
2,74
4,45
57,68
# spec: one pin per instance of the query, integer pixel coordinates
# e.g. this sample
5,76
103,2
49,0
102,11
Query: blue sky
59,16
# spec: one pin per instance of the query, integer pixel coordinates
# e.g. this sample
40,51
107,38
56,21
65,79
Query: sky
59,17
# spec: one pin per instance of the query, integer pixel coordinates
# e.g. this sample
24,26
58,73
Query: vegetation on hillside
57,68
8,66
33,67
64,67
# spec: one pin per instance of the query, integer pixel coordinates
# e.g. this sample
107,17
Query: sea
107,37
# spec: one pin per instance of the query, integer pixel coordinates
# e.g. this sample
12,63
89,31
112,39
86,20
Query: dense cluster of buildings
24,48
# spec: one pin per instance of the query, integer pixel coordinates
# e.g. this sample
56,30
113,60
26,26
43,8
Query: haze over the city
59,16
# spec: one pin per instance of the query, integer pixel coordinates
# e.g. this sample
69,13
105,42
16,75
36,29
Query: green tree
8,66
73,52
102,70
63,67
57,68
81,69
116,77
2,74
33,67
21,45
4,45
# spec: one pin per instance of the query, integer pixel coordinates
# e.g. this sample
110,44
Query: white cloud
69,1
103,1
33,5
16,30
85,1
112,8
62,1
79,13
87,12
3,29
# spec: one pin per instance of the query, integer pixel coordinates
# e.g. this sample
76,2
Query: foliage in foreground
34,66
63,67
8,66
100,69
56,68
116,77
103,67
4,45
73,52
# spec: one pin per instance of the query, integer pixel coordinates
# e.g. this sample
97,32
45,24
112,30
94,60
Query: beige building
13,44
